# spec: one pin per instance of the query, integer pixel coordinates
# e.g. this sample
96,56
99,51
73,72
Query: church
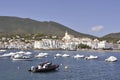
67,37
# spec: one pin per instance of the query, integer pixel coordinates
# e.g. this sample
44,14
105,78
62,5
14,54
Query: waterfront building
86,41
37,44
69,45
48,44
69,42
104,45
95,44
2,46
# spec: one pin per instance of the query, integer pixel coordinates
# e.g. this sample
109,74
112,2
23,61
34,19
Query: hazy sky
95,17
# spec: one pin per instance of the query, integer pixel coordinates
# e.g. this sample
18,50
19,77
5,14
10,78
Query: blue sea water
78,69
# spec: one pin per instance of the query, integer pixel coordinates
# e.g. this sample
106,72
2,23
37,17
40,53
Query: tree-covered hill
112,37
15,25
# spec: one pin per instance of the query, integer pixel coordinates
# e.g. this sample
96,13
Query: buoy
66,67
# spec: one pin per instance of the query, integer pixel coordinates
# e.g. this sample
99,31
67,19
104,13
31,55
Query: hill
112,37
15,25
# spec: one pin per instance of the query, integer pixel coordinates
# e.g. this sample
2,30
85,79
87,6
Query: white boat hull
16,59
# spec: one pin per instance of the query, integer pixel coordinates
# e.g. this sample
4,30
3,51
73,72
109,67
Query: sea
77,69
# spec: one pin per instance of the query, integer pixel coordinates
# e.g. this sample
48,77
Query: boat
44,67
23,52
58,55
2,50
21,57
78,56
8,54
65,55
111,59
91,57
41,55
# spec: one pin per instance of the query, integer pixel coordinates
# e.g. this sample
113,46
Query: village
68,42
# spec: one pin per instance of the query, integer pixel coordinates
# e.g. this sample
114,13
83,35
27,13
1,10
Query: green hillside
16,25
112,37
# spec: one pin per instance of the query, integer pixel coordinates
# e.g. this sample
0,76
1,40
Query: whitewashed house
47,44
105,45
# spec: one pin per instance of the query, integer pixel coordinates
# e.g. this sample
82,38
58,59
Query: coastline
87,50
99,50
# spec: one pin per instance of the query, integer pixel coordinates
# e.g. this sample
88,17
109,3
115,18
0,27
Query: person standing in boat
47,64
42,64
39,67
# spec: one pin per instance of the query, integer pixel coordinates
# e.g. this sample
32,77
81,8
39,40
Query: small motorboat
91,57
23,52
2,50
78,56
58,55
111,59
41,55
65,55
21,57
44,67
8,54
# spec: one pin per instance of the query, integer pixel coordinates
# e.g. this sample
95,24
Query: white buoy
66,67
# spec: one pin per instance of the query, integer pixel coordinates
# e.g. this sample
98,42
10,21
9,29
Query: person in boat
39,67
45,64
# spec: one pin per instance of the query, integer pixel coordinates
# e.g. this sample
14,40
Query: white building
86,41
105,45
37,44
48,44
70,42
67,37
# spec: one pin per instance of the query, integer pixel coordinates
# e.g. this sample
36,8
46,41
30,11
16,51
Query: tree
84,46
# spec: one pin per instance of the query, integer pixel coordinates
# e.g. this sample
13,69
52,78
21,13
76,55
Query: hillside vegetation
15,25
112,37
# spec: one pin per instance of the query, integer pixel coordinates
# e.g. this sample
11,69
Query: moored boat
65,55
2,50
111,59
21,57
78,56
58,55
8,54
41,55
91,57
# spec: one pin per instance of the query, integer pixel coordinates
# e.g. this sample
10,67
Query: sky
94,17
